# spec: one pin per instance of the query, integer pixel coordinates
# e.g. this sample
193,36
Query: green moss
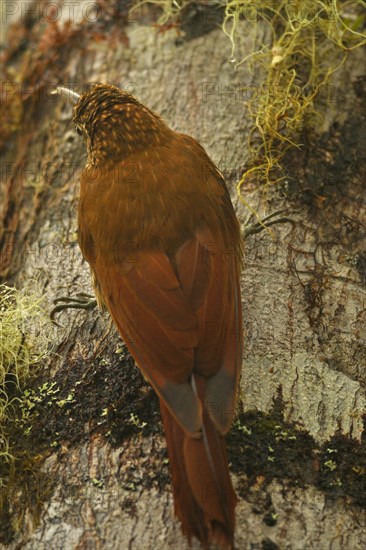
305,43
266,447
110,396
24,345
298,44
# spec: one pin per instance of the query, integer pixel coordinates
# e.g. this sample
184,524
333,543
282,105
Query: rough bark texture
303,292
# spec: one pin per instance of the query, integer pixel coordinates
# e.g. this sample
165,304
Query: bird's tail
204,498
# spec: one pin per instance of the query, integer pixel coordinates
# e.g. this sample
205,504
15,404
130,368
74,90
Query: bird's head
113,123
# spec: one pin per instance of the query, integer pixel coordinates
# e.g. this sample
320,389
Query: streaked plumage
158,228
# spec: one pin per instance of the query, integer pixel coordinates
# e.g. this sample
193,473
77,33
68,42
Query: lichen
305,43
25,342
299,45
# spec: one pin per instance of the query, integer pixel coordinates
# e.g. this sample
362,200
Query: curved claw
253,228
81,301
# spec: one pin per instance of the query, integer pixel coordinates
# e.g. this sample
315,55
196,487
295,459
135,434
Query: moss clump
265,446
298,44
304,43
22,342
24,345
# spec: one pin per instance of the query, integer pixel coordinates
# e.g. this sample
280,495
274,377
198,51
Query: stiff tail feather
204,498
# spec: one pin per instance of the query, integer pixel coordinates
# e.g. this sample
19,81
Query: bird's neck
120,137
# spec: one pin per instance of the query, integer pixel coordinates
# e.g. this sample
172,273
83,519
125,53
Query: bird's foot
248,228
82,300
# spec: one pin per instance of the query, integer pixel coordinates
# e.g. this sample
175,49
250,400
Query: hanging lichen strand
298,44
305,43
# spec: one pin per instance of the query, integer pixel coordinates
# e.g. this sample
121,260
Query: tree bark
303,294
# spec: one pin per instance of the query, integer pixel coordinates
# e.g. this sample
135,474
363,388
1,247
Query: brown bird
158,229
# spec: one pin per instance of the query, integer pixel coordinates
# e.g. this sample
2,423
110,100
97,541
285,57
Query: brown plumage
158,229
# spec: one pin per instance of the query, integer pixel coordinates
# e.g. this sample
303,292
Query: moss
298,44
109,395
268,544
343,469
305,43
25,342
266,447
25,493
321,174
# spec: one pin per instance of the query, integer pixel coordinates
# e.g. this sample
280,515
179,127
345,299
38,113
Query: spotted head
113,123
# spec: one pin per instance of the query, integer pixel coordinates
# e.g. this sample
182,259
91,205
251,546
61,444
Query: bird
157,226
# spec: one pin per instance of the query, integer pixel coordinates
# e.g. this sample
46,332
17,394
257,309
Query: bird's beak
73,97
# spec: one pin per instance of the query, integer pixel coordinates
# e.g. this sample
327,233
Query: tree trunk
296,449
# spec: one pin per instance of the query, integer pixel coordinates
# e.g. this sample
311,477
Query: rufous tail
204,498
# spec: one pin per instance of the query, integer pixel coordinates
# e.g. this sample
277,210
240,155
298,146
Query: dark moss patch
265,446
197,19
270,518
327,167
109,395
360,264
7,531
27,490
268,544
343,469
145,470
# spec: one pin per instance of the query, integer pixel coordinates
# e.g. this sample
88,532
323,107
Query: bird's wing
159,327
219,354
176,317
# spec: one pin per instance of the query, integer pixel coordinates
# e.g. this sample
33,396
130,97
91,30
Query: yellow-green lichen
24,345
298,45
301,45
